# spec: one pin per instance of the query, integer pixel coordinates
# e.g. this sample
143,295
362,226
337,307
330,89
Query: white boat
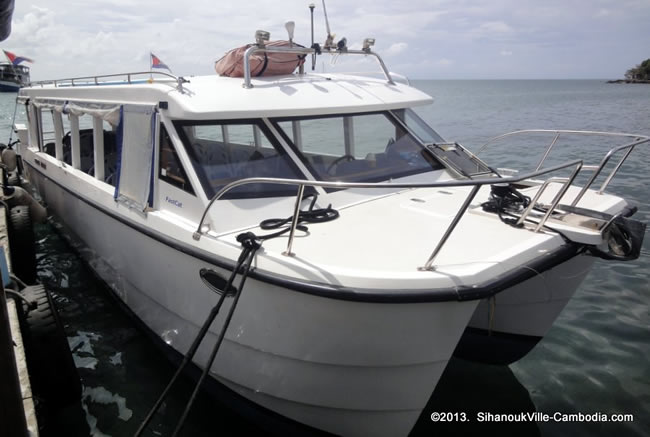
345,327
12,77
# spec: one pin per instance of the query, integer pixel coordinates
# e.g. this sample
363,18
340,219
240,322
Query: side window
86,144
48,132
171,169
87,138
110,154
223,152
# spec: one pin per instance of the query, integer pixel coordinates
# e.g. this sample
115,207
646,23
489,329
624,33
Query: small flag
16,59
157,63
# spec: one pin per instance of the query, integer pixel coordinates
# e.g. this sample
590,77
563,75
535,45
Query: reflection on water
122,372
475,389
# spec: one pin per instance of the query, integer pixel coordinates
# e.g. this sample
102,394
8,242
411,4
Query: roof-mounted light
342,45
262,36
367,43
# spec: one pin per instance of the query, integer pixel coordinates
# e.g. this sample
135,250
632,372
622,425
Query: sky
434,39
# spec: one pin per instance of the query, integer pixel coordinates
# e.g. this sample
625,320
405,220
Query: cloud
35,27
555,38
495,27
396,48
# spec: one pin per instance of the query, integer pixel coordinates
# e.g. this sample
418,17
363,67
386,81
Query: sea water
594,361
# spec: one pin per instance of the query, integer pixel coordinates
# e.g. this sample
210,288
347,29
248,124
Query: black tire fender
22,244
52,370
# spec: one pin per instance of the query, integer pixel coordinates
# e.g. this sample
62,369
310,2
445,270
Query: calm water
596,358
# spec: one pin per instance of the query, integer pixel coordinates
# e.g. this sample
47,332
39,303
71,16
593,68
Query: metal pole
429,264
558,197
313,56
294,221
533,202
547,151
613,173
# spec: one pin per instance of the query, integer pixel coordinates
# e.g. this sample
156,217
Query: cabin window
358,148
171,169
66,139
78,134
35,129
223,152
89,141
49,135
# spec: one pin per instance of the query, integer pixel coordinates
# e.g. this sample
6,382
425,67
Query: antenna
329,42
313,55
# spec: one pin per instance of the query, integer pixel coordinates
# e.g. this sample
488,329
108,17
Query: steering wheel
337,161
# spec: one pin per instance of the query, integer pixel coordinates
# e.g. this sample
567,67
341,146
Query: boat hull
9,87
349,368
507,326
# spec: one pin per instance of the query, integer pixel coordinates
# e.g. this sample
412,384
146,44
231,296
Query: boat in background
13,76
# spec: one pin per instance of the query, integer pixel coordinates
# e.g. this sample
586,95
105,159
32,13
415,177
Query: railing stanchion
294,220
540,190
592,179
548,150
558,197
429,264
613,172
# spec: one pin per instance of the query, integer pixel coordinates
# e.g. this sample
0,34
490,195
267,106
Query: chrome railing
204,229
104,79
597,169
306,51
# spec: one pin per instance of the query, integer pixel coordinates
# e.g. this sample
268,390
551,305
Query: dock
17,412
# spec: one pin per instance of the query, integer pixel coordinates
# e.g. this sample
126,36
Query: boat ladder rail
476,184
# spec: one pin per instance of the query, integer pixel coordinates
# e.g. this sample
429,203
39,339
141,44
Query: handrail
638,139
562,131
95,79
306,51
630,147
301,183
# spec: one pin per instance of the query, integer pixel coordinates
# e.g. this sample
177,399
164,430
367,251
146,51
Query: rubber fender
21,197
623,238
53,374
13,179
22,244
9,159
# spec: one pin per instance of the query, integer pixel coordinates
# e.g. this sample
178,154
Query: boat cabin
171,144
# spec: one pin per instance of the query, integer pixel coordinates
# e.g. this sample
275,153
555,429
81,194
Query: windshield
357,148
418,126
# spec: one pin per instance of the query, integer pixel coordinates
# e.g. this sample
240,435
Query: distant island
638,74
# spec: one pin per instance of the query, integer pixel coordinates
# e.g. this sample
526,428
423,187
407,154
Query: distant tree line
640,72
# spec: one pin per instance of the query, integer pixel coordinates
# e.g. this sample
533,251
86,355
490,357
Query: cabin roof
215,97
